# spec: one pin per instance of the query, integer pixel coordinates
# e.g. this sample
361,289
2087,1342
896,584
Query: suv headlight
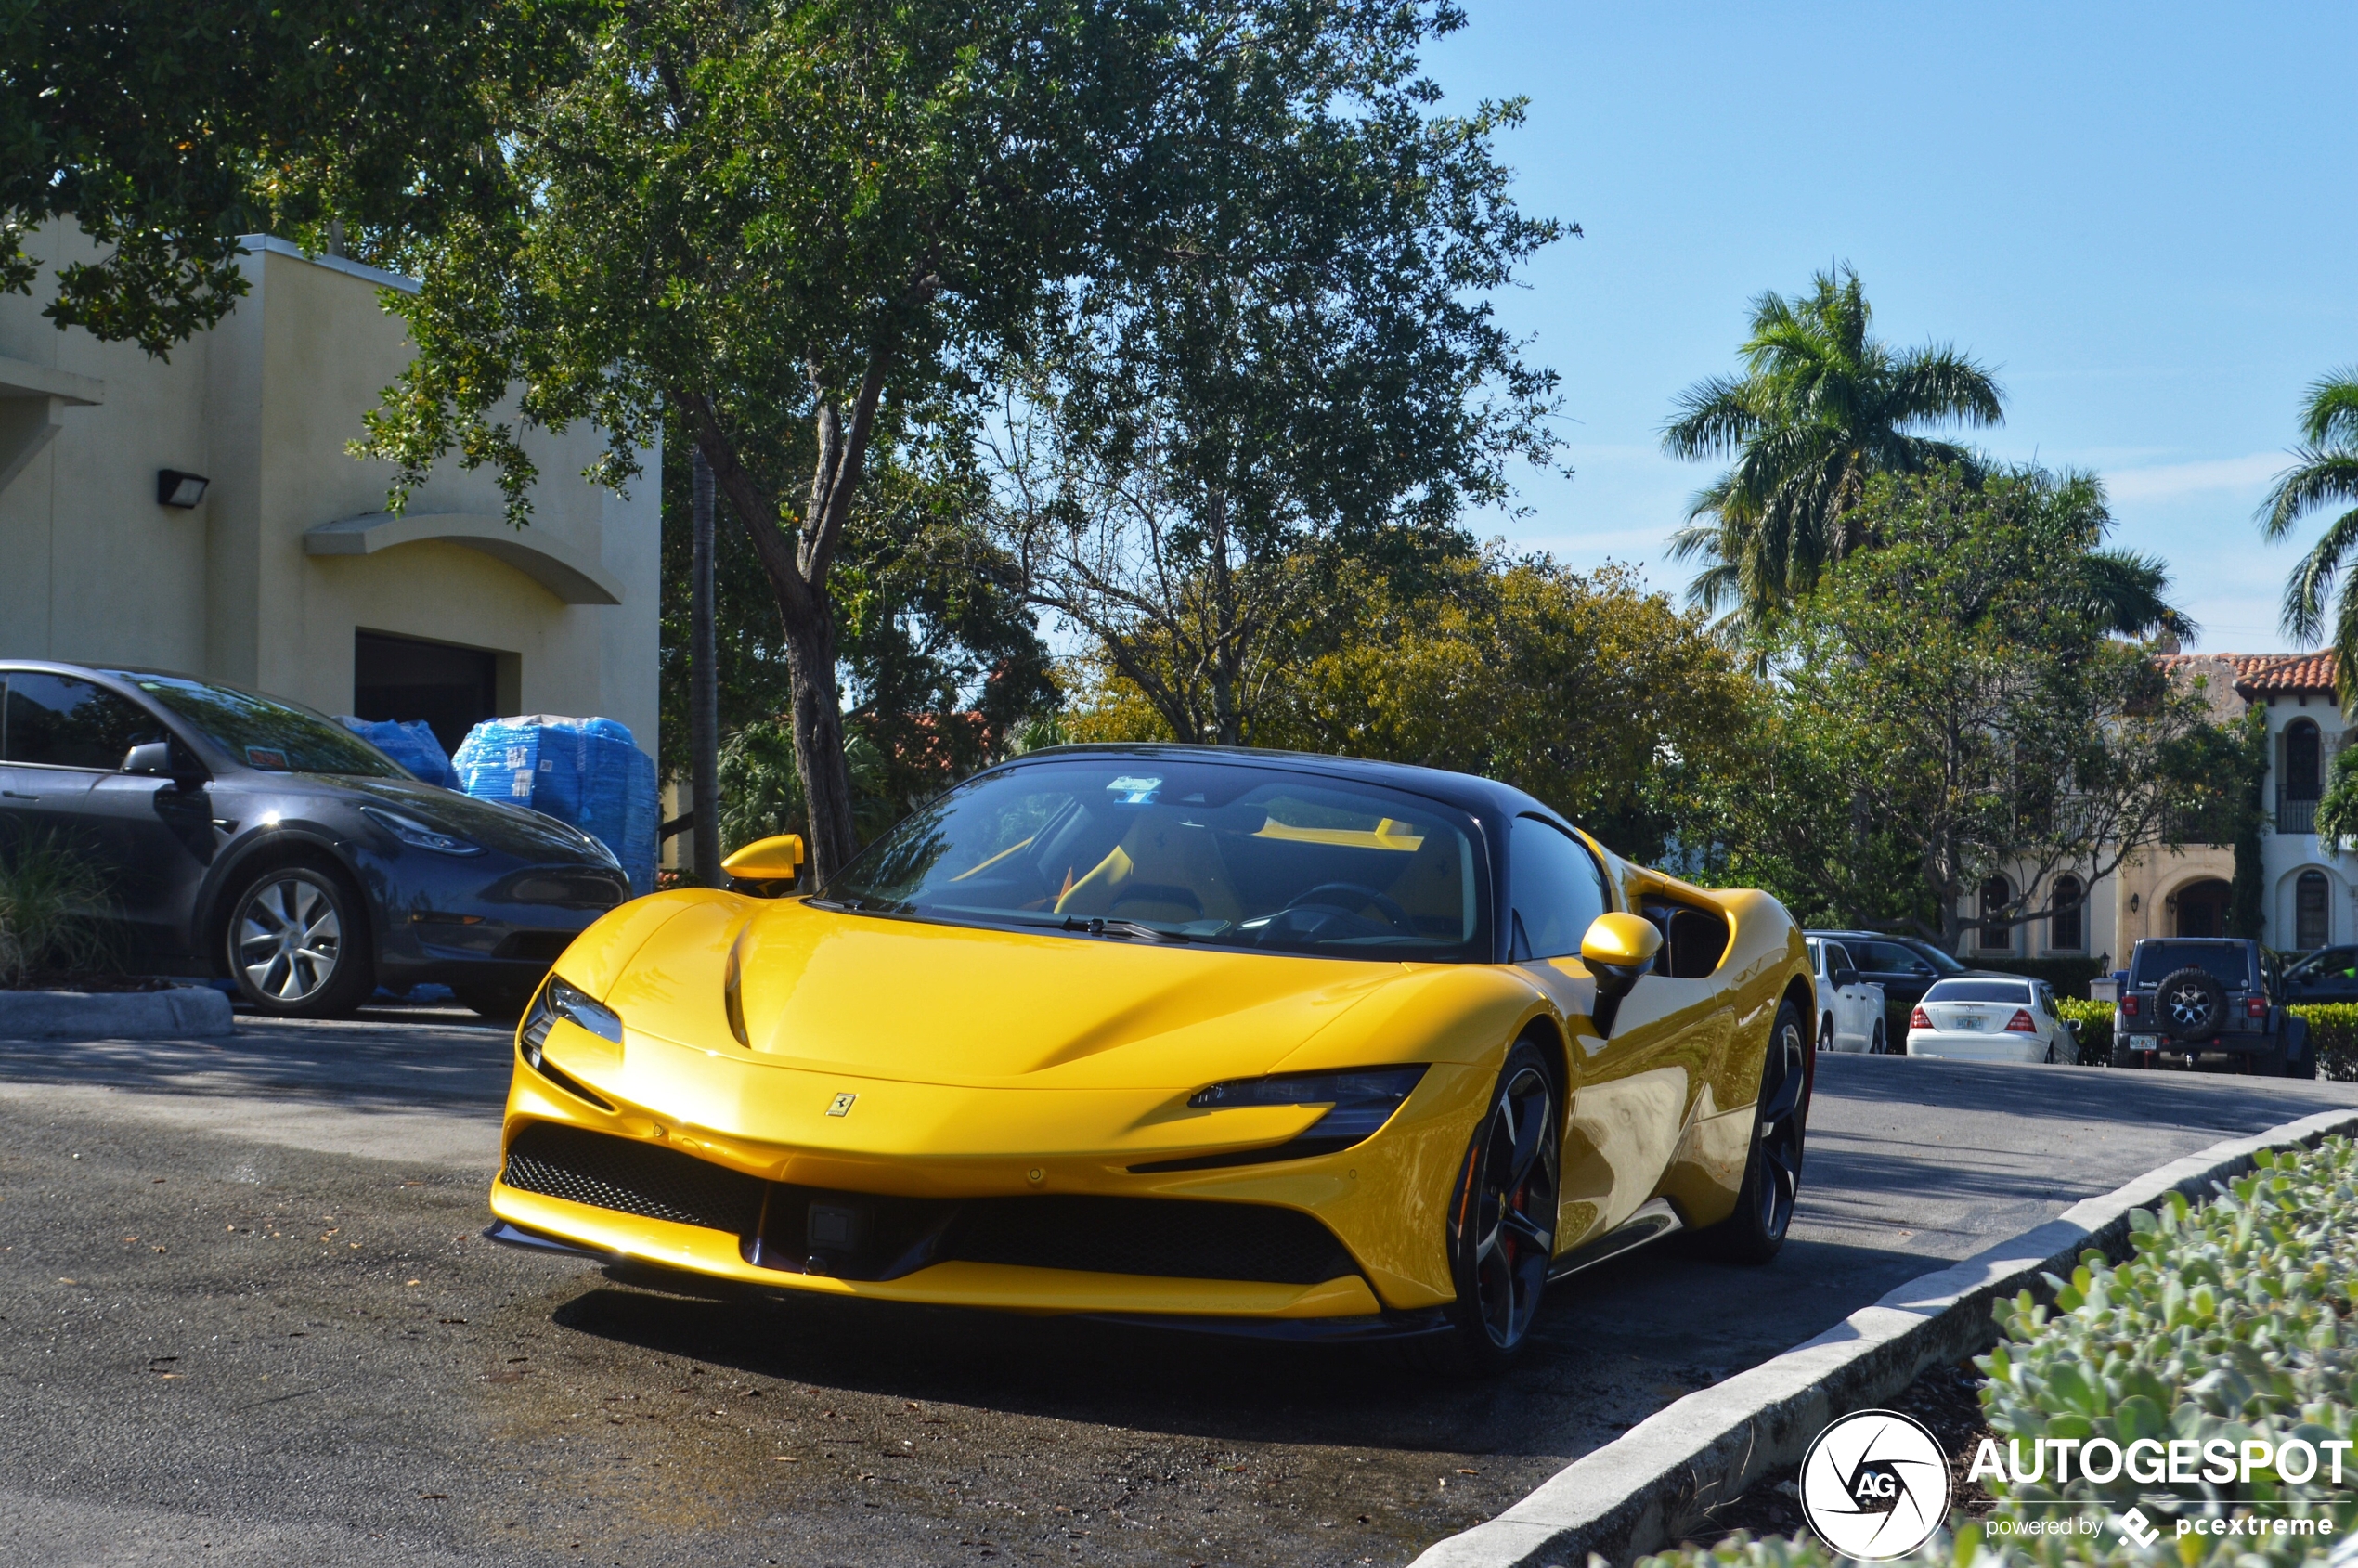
1358,1102
416,834
558,1000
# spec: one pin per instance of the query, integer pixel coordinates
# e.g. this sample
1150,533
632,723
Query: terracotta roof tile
2260,673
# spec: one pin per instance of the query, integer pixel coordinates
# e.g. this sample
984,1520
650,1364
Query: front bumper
1957,1045
1011,1198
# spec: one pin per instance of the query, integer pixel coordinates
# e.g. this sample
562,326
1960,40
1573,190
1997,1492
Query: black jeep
2193,996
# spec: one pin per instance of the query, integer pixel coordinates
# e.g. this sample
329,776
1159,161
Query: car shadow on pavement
2230,1102
1613,1345
361,1066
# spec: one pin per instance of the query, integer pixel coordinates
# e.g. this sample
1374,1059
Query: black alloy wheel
297,944
1773,1168
1503,1225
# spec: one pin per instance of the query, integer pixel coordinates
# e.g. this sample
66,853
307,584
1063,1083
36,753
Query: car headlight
416,834
558,1000
1357,1103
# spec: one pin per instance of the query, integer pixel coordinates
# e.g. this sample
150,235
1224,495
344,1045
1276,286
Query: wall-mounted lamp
2133,904
176,488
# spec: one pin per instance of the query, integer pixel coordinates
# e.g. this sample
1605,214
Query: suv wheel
298,944
2190,1003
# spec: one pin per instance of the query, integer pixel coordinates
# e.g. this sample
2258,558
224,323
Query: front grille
632,1178
541,946
868,1237
1173,1238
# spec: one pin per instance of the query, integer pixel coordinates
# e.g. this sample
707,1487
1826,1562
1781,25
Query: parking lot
246,1317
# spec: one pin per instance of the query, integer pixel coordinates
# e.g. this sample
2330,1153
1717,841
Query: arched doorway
2202,908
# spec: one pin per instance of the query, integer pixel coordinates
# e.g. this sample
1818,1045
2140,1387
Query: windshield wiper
1097,926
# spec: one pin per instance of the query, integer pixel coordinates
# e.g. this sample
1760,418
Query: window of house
2310,914
2303,774
1996,894
2067,931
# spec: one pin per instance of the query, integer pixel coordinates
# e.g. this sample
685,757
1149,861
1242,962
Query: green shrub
2333,1032
52,908
2230,1321
2095,1020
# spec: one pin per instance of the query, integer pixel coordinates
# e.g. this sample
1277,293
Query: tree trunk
704,690
797,568
818,742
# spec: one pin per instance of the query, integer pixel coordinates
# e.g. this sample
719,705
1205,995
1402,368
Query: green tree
834,207
1823,407
167,128
2324,476
1307,371
940,660
1953,705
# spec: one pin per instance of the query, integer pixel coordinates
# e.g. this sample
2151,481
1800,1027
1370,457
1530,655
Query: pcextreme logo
1875,1485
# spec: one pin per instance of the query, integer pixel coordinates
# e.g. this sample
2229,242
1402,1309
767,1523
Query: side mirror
152,760
1618,949
2073,1025
767,859
1844,979
2292,988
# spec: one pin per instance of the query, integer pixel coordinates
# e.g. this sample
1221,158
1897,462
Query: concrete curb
129,1015
1641,1490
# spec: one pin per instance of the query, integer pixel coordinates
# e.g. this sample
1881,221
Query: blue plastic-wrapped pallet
412,745
586,772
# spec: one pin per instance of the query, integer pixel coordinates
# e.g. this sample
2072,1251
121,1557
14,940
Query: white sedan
1984,1019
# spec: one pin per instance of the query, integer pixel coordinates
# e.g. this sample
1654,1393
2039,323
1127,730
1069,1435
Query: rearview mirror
1618,949
767,859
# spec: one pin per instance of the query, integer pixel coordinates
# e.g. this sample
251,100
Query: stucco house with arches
2310,893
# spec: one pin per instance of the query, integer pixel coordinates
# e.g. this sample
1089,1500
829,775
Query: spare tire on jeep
2190,1003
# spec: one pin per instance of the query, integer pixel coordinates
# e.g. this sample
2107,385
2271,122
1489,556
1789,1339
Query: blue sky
2141,217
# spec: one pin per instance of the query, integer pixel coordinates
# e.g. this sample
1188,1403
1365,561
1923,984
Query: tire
2190,1004
1826,1033
2049,1059
2269,1061
297,944
1881,1044
1502,1225
1772,1167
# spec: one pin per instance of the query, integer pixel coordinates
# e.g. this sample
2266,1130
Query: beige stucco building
2309,887
289,576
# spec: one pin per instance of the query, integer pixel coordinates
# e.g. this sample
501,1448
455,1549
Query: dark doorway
2202,909
453,689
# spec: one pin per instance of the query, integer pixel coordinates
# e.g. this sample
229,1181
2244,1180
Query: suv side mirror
1844,979
152,760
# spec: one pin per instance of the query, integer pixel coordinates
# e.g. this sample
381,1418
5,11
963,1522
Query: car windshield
1176,848
2228,962
270,736
2017,992
2332,961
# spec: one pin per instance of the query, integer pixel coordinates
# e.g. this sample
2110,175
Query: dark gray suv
2194,996
243,836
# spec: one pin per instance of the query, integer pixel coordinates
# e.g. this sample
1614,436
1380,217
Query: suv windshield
2228,962
266,734
1175,849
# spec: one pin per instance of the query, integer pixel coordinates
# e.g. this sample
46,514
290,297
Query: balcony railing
2296,816
2196,824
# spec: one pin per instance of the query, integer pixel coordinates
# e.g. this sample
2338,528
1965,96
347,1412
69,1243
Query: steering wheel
1382,905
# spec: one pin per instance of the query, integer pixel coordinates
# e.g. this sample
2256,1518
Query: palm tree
1822,408
2326,474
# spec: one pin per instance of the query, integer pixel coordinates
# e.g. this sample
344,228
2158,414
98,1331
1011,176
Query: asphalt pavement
246,1318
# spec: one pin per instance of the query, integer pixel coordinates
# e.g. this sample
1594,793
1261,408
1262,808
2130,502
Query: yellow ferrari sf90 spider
1253,1040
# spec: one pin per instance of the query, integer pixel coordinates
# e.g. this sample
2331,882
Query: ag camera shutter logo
1875,1486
